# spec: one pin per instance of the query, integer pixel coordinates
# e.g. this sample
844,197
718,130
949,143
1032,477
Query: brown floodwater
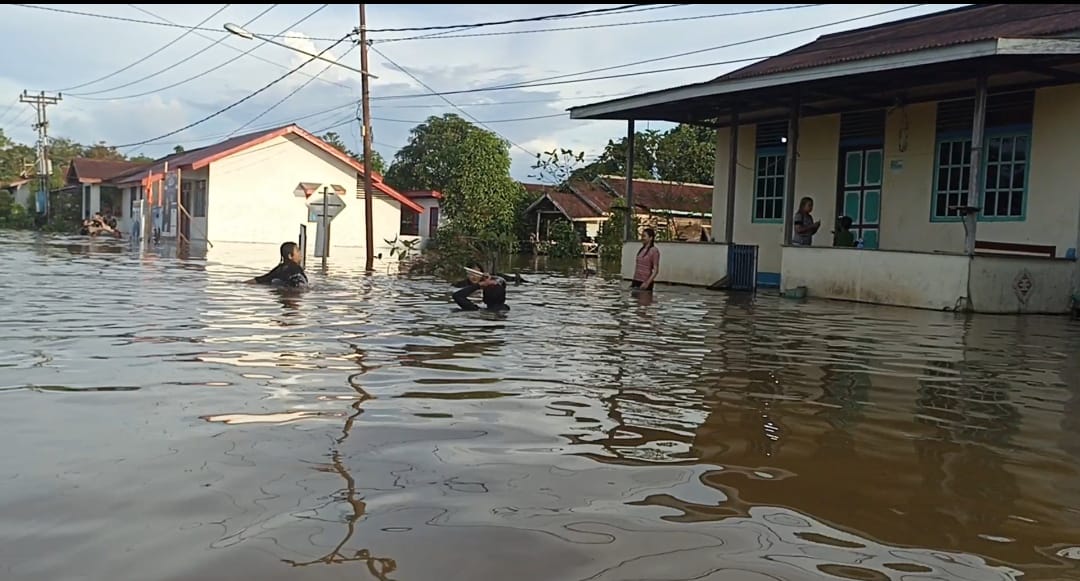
162,422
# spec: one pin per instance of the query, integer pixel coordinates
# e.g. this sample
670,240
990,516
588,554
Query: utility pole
365,97
43,166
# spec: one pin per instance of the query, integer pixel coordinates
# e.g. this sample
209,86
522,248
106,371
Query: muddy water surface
162,422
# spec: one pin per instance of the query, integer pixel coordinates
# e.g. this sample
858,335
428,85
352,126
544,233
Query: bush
12,215
566,241
451,251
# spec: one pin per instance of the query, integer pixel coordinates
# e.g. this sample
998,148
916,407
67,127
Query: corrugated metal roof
949,28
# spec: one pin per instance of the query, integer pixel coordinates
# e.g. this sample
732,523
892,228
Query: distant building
424,224
678,211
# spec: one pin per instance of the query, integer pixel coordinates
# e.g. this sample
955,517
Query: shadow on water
170,423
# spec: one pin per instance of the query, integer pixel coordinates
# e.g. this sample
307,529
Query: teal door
861,172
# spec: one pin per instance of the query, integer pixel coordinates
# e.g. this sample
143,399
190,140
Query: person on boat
288,273
493,287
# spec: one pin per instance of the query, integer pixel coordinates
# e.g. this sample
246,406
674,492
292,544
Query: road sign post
322,209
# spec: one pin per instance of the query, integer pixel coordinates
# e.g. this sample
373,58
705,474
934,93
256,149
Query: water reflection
172,423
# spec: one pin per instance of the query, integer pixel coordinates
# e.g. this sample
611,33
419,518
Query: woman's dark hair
650,243
845,222
287,250
477,266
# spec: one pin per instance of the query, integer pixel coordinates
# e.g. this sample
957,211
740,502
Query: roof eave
625,109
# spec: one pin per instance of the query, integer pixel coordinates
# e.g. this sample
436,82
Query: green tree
178,149
470,166
567,241
377,161
686,154
15,159
557,166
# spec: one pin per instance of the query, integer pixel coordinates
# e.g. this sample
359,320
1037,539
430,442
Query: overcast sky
120,86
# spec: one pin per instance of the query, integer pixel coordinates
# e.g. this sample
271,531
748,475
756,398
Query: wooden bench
1018,249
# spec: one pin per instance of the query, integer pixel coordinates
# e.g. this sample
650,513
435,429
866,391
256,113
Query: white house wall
251,197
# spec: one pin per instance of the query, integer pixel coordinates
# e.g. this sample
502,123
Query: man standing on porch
804,224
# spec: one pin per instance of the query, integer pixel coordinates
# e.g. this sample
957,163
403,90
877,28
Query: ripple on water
169,423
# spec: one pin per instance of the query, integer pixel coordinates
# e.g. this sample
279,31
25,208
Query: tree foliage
377,161
470,166
684,154
557,166
17,159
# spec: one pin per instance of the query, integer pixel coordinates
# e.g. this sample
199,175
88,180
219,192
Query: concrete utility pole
365,97
42,169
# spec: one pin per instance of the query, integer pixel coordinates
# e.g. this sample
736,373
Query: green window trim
770,177
1003,148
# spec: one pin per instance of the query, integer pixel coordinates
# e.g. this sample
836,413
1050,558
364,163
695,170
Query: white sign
333,204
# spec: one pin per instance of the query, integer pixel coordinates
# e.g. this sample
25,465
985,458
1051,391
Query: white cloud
65,58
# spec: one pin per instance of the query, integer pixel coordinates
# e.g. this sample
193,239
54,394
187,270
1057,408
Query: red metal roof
423,194
86,170
948,28
204,156
584,199
658,196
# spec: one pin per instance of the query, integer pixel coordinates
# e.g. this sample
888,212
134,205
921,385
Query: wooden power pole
365,97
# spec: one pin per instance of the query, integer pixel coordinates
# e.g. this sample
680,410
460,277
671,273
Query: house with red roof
679,211
255,188
422,225
948,140
87,180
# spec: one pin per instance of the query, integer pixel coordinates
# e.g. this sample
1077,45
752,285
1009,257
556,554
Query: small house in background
87,180
677,211
22,191
424,224
256,188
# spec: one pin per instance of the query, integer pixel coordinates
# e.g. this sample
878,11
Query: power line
555,80
255,47
596,26
290,95
265,60
449,102
513,120
241,101
625,8
199,27
177,63
152,54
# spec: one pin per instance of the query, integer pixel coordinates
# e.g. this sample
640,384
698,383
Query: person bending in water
288,273
494,288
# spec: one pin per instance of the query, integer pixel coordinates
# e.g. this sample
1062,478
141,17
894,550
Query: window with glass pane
769,187
1006,176
410,223
952,177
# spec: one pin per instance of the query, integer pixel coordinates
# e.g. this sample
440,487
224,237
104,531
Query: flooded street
163,422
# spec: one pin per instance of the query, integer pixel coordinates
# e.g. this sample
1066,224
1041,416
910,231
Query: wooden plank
1010,247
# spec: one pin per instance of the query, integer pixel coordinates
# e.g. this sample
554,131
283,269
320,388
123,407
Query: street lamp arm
246,35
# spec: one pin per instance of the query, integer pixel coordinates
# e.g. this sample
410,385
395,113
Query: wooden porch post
789,172
733,164
978,127
631,231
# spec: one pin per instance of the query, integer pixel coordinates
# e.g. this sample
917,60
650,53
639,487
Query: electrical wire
625,8
177,63
449,102
596,26
257,46
513,120
237,103
291,94
599,12
265,60
147,57
712,48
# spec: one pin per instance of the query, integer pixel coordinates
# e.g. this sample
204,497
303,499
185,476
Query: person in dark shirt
493,287
843,237
288,273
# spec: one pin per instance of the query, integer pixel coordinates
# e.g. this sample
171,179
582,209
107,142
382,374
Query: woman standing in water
647,265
